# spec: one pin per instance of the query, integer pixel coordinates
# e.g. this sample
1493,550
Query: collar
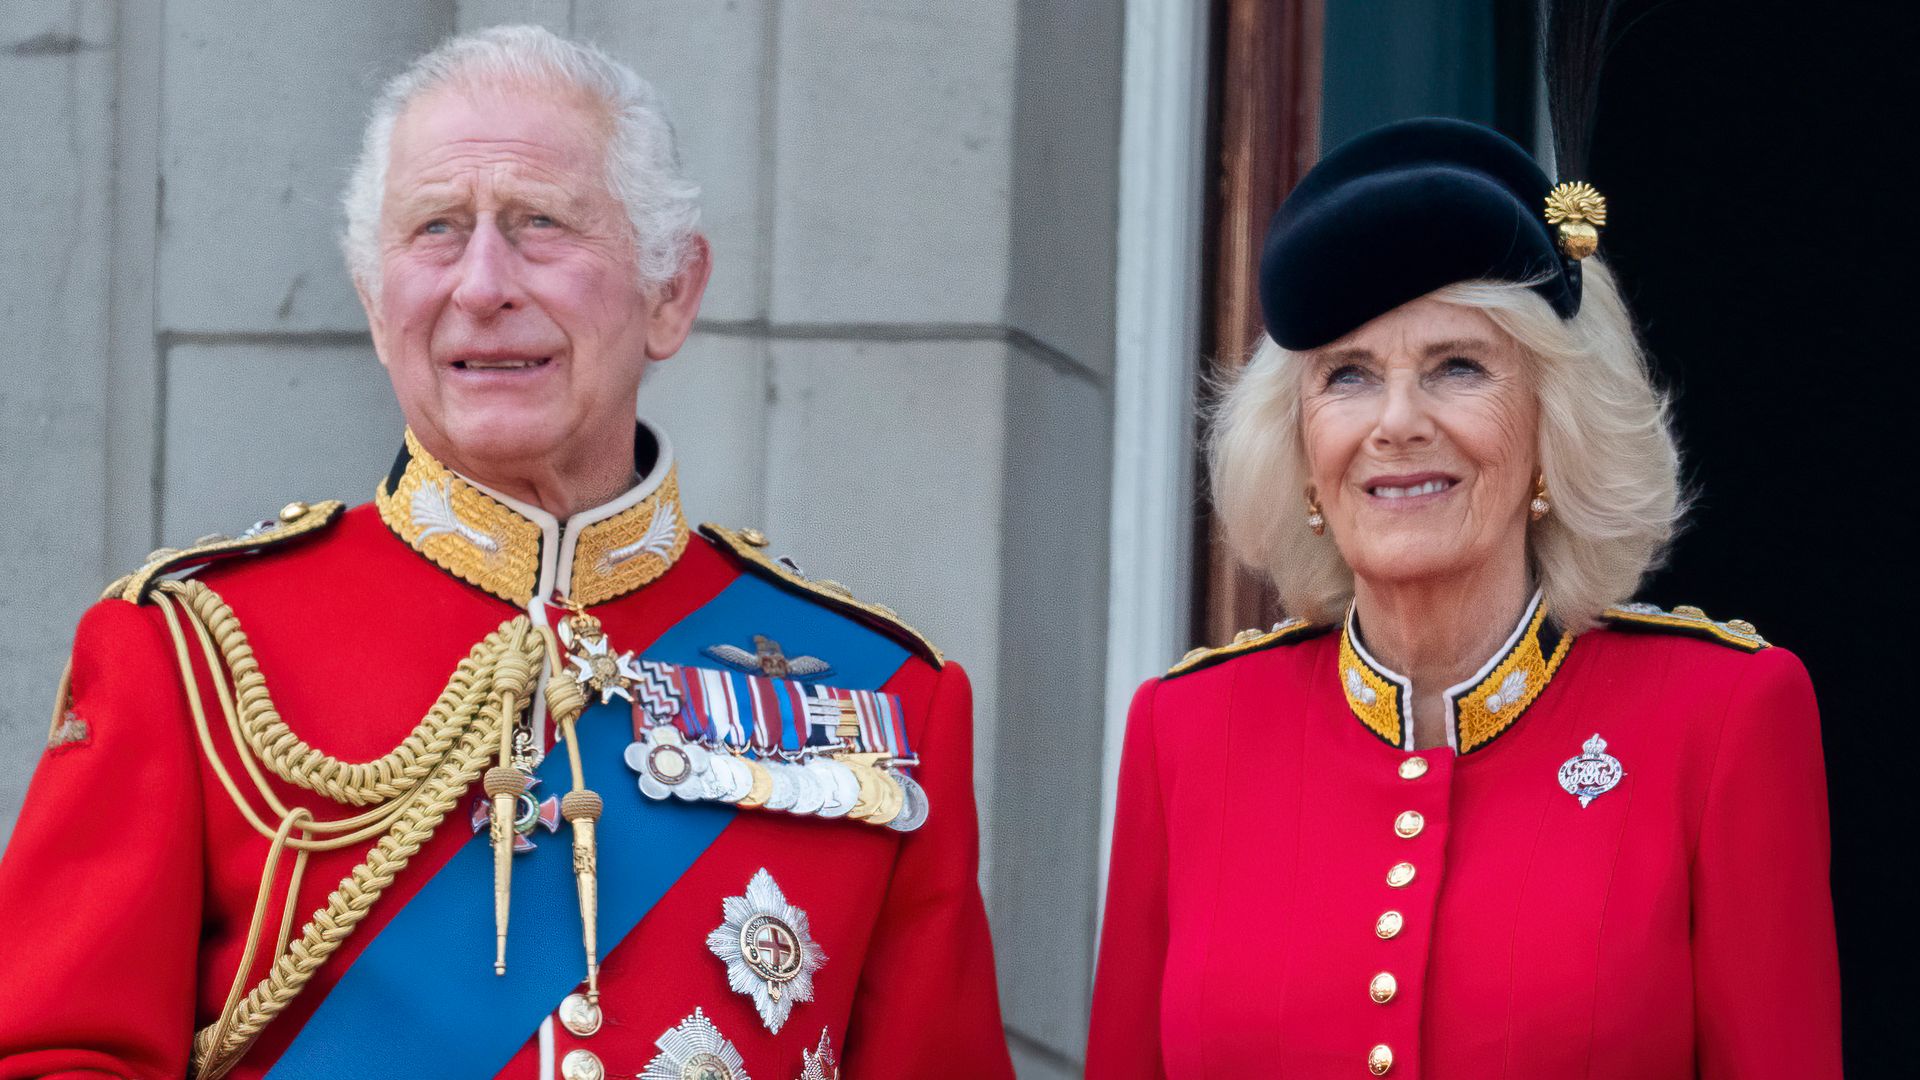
517,551
1479,709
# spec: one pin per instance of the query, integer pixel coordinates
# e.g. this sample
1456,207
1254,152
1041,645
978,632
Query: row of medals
828,782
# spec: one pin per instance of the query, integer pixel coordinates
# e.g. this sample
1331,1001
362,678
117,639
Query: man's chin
496,450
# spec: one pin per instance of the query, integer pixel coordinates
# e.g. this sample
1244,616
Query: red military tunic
1296,892
128,887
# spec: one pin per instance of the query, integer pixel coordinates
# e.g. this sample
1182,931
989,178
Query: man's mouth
500,363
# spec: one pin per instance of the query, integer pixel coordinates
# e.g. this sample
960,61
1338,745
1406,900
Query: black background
1765,221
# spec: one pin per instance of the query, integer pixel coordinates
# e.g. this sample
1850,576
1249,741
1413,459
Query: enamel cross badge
1591,774
768,949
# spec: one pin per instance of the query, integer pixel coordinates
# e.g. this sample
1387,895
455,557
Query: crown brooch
1579,211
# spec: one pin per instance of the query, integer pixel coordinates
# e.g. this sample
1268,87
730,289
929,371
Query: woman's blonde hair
1611,463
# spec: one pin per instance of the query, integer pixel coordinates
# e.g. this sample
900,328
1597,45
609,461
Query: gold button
1382,988
1413,768
1388,925
754,537
1400,875
582,1065
1380,1059
582,1017
1409,824
293,511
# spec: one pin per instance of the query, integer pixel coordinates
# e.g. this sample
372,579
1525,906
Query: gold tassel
581,807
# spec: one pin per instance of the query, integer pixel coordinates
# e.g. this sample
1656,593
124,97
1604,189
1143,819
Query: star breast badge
819,1064
695,1050
768,949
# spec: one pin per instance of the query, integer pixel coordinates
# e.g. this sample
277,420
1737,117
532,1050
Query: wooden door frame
1266,134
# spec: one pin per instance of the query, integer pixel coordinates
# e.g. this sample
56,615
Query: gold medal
762,788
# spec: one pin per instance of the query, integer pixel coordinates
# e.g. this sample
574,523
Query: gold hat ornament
1579,211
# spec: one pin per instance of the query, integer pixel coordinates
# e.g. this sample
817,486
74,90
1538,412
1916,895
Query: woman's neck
1437,633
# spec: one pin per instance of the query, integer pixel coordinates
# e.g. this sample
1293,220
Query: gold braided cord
286,754
427,776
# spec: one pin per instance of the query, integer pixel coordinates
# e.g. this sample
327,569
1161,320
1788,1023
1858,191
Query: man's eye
437,227
542,221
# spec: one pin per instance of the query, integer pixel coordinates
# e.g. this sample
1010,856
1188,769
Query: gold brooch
1579,210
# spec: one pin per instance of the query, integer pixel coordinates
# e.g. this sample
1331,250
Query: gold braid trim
427,775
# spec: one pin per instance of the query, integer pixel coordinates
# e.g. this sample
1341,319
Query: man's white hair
1611,463
643,160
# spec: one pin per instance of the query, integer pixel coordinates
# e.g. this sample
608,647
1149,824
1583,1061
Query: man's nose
488,272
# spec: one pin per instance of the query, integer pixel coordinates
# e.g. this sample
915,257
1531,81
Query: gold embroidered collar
517,551
1479,709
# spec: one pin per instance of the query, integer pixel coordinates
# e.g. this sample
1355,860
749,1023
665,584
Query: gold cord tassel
581,807
504,785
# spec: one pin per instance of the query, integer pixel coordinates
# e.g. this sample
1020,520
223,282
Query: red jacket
1678,924
130,881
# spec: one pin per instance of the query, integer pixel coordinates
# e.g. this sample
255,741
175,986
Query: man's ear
374,323
678,302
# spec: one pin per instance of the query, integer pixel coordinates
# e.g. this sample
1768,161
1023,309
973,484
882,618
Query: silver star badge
1591,774
819,1064
768,949
695,1050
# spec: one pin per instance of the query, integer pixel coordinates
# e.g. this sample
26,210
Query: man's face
508,313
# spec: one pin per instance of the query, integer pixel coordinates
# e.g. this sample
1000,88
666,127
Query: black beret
1399,212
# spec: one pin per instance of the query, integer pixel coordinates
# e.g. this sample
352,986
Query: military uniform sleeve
1124,1040
928,1004
100,887
1766,976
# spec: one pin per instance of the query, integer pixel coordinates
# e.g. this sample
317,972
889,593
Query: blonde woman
1468,811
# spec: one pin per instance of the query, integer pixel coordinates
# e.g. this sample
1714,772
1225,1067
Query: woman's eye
1460,365
1345,375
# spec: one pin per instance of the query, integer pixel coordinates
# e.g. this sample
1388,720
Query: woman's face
1421,434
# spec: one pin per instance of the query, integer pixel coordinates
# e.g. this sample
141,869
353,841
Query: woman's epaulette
747,545
295,520
1684,619
1285,632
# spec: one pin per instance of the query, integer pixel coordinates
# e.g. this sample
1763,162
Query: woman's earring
1315,519
1539,507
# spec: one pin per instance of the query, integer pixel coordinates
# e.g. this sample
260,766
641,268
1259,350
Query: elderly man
508,772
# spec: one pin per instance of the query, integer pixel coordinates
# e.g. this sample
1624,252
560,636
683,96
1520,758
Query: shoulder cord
412,788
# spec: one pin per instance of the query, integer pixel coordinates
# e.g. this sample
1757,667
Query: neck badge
768,949
600,670
1592,773
695,1050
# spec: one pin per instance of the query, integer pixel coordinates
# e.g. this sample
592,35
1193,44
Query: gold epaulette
295,520
1688,620
748,546
1247,641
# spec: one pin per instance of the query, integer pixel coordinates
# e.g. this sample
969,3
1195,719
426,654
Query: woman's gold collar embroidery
1478,710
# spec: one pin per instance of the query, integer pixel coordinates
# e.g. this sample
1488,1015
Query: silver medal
843,789
768,949
1592,773
914,813
783,789
808,795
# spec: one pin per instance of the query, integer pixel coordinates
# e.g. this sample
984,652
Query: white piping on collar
1451,693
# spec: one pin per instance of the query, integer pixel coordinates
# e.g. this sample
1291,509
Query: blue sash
422,1002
